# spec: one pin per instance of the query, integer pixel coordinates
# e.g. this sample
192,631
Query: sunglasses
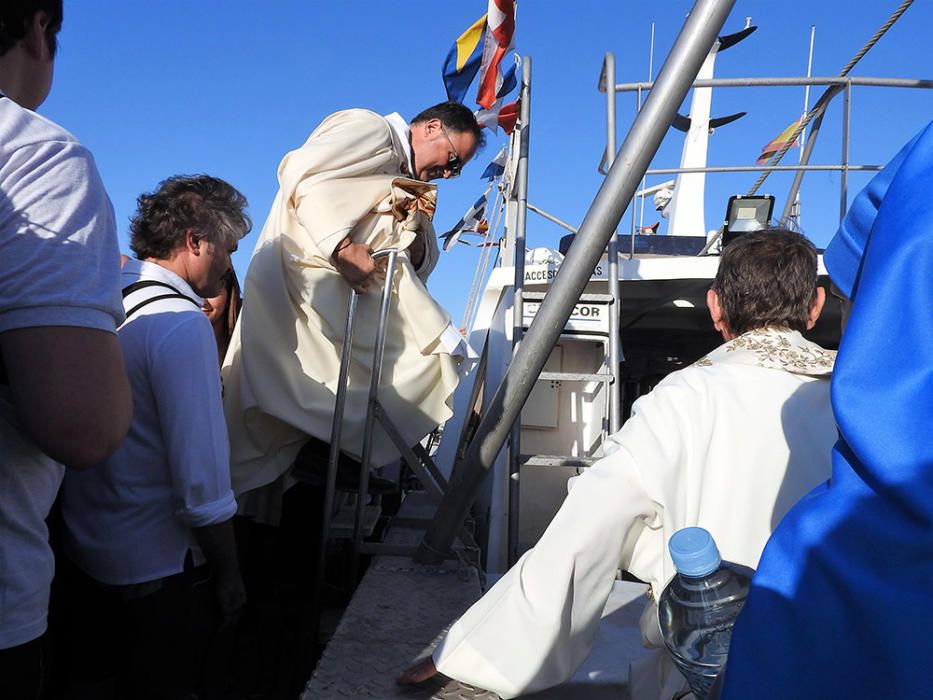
454,161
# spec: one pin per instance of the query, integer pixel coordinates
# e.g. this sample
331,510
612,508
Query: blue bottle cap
694,552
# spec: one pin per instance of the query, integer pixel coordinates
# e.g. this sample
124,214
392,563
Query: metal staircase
546,433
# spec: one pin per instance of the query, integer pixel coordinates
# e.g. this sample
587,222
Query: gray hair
211,207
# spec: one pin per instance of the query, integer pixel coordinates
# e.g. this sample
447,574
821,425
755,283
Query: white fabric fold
728,444
281,369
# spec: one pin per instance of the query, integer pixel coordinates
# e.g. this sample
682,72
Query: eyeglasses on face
454,161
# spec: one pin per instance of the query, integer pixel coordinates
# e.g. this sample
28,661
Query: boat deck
398,614
401,609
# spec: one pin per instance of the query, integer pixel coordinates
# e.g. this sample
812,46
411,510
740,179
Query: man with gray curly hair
150,526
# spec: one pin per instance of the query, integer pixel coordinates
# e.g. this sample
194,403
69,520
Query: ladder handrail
337,424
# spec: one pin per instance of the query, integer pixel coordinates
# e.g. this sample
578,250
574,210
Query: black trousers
145,642
23,670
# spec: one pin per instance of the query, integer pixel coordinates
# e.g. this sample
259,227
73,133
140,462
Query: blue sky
227,87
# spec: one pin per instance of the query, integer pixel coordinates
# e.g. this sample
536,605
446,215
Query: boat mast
686,57
795,211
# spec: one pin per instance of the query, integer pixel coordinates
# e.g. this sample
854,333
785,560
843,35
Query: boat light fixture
746,214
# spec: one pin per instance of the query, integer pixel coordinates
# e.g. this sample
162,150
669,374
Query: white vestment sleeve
537,624
346,146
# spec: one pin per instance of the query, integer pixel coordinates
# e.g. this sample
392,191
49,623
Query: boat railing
837,85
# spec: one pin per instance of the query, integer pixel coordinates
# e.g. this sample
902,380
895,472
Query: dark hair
456,117
15,16
208,205
767,278
234,304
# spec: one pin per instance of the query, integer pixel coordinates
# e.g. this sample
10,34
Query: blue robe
841,604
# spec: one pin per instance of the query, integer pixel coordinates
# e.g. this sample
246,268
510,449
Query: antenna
806,92
641,215
651,56
795,209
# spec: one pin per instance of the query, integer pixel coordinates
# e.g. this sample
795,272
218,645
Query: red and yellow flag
779,142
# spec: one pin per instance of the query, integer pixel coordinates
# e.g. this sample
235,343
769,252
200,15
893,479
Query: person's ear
192,242
35,42
816,308
715,309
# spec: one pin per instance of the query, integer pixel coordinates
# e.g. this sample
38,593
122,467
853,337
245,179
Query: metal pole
844,178
333,457
637,110
679,70
806,91
631,252
841,81
641,206
518,323
798,176
551,218
763,168
612,254
368,426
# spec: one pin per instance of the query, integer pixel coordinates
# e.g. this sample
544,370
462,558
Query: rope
479,273
821,104
482,265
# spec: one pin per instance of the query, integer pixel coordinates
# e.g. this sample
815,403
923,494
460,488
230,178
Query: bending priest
358,184
727,444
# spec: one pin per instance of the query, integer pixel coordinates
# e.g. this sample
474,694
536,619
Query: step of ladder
341,525
555,461
584,298
576,377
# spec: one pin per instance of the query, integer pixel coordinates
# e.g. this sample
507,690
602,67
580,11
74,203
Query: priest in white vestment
728,444
358,184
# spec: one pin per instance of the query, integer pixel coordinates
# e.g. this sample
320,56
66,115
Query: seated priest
728,444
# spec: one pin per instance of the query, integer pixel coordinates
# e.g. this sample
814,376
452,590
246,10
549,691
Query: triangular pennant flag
497,166
469,221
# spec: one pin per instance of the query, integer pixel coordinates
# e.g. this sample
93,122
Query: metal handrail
415,457
370,423
520,194
785,82
837,84
337,424
760,168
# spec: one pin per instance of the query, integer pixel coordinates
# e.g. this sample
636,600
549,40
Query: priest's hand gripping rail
415,457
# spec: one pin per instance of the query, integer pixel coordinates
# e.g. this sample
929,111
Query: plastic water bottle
699,605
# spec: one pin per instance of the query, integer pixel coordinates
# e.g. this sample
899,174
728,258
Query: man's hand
231,595
219,547
420,672
354,261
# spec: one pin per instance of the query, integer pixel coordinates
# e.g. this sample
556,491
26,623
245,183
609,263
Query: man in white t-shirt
151,525
64,396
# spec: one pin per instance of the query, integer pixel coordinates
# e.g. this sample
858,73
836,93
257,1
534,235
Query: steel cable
825,98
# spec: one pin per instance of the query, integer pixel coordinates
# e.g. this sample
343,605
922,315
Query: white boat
662,323
638,314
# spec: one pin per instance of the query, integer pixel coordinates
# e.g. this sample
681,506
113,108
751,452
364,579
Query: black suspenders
136,286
